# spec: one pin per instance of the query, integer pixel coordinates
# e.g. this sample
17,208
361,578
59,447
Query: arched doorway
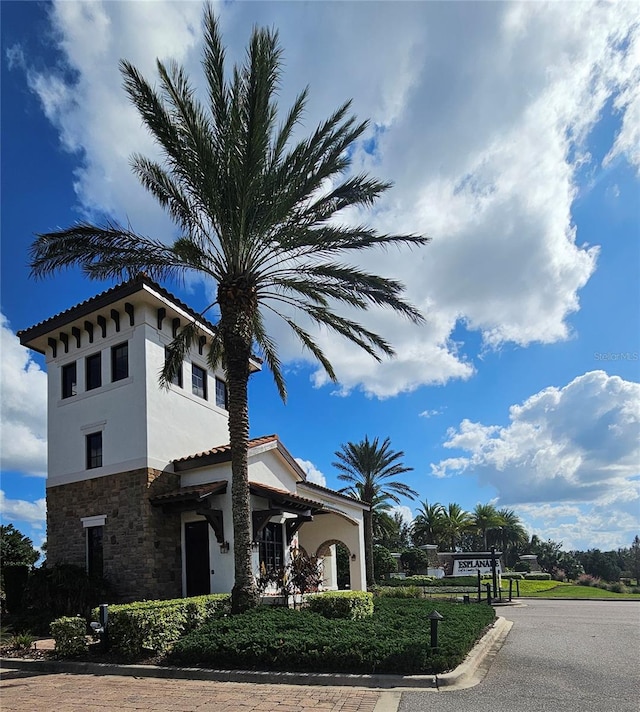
336,559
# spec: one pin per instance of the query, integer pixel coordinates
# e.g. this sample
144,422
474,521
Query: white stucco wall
117,409
142,424
180,423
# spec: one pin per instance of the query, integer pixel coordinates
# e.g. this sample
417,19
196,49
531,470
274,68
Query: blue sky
511,133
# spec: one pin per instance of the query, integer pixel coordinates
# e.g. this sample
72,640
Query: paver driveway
40,692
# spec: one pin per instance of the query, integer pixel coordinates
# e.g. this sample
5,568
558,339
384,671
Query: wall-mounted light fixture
224,547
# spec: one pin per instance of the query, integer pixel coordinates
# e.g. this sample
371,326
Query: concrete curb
476,665
469,673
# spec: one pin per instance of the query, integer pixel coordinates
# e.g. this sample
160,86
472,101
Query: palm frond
102,253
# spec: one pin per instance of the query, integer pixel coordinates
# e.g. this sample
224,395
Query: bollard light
434,617
104,621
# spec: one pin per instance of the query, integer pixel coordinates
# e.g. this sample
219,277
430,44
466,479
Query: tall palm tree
255,213
512,534
485,517
455,522
428,525
367,466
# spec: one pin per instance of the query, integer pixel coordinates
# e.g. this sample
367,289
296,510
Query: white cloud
23,407
404,511
313,473
483,146
19,510
579,443
430,413
582,527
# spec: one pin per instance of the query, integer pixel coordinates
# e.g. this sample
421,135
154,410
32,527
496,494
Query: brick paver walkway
25,691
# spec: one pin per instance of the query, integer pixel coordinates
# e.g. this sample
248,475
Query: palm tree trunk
237,348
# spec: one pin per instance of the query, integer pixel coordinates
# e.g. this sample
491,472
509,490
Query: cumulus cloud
19,510
583,527
313,473
23,407
404,511
579,443
484,146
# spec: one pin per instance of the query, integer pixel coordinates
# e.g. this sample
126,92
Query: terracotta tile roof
221,453
335,493
193,492
274,493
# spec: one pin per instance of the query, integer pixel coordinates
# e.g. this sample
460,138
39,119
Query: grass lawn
557,589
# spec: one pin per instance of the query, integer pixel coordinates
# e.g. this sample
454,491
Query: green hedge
396,639
537,576
431,581
398,592
515,576
70,636
156,625
353,605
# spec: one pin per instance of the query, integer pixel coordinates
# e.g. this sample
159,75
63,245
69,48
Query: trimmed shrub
397,592
523,566
156,625
513,576
537,576
431,581
587,580
70,636
618,588
352,605
396,639
414,561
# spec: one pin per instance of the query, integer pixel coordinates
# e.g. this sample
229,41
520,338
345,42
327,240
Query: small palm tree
512,533
428,525
485,517
367,466
256,214
456,521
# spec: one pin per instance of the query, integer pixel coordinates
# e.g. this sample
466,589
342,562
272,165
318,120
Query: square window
221,394
177,379
93,367
94,451
120,362
69,380
198,381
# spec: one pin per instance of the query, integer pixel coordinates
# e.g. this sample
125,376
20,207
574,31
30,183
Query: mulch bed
94,654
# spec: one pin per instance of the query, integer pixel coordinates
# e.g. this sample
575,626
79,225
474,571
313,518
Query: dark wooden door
196,543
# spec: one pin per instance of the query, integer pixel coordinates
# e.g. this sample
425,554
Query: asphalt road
570,656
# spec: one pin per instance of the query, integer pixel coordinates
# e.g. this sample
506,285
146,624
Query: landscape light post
493,571
434,617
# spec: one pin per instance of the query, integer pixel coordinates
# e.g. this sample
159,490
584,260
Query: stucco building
139,477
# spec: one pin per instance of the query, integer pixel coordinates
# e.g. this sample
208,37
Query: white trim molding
96,521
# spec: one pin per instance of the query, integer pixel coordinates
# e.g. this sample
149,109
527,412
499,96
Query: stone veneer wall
141,544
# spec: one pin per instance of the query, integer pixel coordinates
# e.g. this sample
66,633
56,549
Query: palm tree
512,533
255,214
367,466
428,524
456,521
485,517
